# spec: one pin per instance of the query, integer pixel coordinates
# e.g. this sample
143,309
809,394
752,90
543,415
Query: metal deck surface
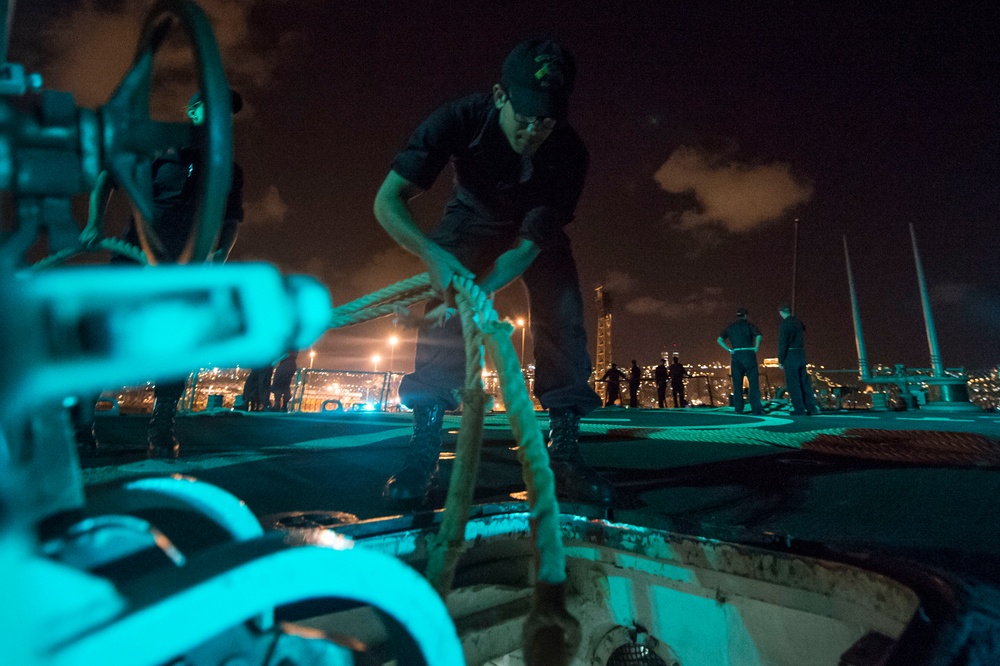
696,471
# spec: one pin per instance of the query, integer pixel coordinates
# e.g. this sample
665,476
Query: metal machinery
91,582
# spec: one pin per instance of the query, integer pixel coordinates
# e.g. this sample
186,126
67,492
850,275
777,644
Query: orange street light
375,359
393,341
520,322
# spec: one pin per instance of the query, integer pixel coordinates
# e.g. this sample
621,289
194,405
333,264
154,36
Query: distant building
603,355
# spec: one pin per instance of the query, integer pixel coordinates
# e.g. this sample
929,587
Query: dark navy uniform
175,196
281,383
660,375
634,382
257,389
792,357
498,197
175,193
677,374
742,336
175,185
613,384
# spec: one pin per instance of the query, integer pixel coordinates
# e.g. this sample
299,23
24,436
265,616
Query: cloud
89,49
950,293
704,302
736,196
270,210
383,269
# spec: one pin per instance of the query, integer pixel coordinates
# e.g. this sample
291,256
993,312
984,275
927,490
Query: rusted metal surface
851,584
760,587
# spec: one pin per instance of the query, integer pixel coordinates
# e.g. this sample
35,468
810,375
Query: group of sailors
675,374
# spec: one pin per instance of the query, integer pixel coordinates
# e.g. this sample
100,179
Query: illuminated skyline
710,130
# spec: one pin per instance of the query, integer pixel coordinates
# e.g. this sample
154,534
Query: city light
375,361
312,358
520,322
708,385
393,341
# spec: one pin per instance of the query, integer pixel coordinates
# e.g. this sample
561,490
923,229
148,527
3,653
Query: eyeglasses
538,123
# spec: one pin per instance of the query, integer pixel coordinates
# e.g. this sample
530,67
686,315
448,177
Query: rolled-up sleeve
431,147
543,226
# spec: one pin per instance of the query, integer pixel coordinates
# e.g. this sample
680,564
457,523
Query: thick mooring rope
446,547
113,245
482,328
550,634
383,302
89,238
918,447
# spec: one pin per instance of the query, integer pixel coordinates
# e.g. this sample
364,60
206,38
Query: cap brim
538,103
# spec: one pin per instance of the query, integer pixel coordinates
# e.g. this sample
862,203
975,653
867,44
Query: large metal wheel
131,139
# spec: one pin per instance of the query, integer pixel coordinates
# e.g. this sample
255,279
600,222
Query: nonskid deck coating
724,485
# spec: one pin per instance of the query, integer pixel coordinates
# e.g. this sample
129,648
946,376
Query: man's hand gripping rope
442,267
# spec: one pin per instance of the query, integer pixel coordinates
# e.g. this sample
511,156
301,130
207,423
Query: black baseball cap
235,100
538,76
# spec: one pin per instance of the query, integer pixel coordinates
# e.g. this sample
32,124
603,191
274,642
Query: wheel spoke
131,140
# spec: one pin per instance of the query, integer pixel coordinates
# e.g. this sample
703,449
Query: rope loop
482,328
484,334
114,245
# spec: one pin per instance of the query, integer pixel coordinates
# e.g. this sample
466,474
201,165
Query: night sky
711,129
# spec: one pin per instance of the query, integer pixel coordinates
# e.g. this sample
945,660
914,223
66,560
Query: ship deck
919,485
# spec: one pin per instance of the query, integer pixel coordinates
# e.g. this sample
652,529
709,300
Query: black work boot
575,479
162,443
414,480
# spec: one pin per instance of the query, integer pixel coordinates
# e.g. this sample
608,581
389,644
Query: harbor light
520,323
393,341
